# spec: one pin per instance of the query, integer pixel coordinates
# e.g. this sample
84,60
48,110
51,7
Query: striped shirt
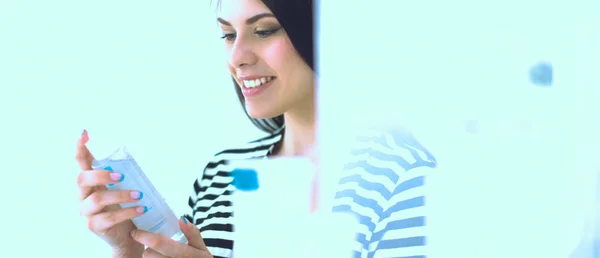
380,185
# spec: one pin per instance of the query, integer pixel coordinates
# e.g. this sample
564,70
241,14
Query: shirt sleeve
383,185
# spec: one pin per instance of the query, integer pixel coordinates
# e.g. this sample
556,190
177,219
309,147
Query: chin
261,113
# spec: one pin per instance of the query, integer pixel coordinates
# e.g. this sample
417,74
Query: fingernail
142,209
83,132
136,195
184,220
117,176
109,169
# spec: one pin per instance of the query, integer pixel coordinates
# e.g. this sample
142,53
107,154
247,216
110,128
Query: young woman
270,47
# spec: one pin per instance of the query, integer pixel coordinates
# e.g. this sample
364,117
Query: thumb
192,233
83,155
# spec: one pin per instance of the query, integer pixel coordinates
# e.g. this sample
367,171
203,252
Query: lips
255,87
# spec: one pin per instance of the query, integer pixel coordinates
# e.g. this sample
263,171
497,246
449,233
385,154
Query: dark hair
297,18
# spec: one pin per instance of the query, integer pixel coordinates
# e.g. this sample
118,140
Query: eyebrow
250,20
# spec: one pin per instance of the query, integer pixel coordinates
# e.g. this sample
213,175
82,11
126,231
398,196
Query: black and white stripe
382,184
211,199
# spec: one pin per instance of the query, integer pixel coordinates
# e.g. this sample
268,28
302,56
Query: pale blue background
523,184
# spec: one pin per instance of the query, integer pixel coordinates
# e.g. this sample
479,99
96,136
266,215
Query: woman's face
273,77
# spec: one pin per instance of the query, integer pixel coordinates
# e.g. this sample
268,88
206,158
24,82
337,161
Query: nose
242,54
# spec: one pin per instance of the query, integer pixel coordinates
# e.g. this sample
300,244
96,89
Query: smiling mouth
257,82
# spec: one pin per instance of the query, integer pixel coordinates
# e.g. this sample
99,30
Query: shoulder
256,148
397,144
215,177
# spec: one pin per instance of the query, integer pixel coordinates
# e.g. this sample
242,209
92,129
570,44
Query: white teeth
256,82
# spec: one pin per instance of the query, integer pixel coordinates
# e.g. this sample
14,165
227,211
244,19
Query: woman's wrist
134,252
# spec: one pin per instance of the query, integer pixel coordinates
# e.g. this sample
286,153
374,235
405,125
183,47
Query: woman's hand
161,246
104,215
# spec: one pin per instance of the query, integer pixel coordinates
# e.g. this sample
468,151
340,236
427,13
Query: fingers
166,246
84,159
101,222
87,180
150,253
100,199
90,178
192,233
83,155
158,243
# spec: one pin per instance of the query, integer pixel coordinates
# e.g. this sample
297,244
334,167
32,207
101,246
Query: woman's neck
300,131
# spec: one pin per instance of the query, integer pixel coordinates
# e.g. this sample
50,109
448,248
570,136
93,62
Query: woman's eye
265,33
228,37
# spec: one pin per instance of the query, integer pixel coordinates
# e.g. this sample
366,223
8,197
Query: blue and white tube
159,217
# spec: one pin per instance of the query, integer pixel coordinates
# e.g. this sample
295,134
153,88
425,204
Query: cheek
227,59
278,56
